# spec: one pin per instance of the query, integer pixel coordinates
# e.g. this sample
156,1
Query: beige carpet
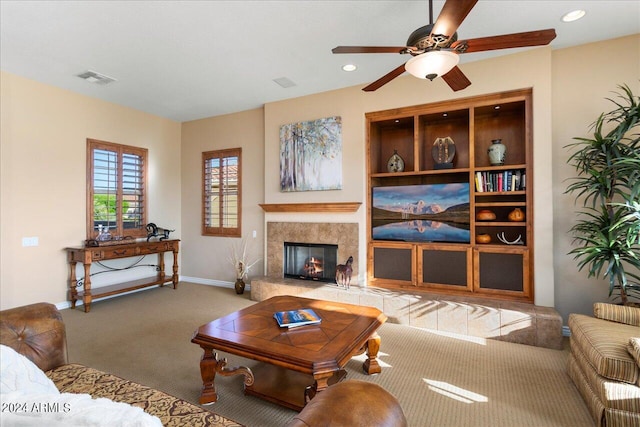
439,380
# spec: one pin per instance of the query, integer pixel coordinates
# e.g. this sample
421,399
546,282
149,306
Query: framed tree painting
311,155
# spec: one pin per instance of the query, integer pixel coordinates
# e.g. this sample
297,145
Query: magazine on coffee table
295,318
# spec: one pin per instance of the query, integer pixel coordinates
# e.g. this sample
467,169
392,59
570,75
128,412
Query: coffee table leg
321,382
371,366
209,367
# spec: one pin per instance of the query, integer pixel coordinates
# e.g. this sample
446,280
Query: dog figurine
343,273
155,231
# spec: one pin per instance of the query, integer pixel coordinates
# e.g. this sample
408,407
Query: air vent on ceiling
284,82
97,78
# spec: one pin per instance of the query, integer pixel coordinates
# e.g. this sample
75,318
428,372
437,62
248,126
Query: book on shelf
500,181
295,318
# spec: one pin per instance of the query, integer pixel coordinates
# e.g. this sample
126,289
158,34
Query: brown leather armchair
350,404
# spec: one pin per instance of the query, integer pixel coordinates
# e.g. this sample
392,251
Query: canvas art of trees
311,155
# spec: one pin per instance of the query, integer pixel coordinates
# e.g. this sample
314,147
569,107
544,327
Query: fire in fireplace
310,261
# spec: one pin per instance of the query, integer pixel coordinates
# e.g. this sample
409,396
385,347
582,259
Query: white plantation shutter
116,189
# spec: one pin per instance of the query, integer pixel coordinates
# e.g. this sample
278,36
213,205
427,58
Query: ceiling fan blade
370,49
456,79
507,41
451,16
384,79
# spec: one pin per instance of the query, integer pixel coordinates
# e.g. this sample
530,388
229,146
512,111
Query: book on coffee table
295,318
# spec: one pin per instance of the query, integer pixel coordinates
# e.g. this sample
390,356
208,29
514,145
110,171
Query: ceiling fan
435,47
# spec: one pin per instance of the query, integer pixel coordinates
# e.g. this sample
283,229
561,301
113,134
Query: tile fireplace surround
345,235
477,317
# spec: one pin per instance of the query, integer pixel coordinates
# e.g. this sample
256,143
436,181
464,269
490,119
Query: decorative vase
239,286
395,163
497,152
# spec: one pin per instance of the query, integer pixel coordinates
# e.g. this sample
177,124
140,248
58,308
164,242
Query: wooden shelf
311,207
132,285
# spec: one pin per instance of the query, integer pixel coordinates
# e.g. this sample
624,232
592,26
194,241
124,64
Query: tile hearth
502,320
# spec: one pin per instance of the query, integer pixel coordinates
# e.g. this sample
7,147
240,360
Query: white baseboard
208,282
211,282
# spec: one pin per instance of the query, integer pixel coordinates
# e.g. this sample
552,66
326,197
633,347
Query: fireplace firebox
310,261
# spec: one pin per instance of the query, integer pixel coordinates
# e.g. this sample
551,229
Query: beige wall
582,78
533,70
205,259
44,131
42,180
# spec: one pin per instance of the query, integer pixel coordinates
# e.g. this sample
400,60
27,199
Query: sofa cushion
617,313
172,411
613,394
604,344
634,349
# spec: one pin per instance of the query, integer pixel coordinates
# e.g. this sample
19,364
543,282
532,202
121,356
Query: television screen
421,213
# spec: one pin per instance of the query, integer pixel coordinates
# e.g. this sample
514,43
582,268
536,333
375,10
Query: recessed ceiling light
574,15
349,67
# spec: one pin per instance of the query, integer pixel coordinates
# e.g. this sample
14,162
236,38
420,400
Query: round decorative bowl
483,238
485,215
516,215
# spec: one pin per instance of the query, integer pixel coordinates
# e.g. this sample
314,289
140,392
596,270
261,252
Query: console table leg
73,282
175,268
371,365
86,297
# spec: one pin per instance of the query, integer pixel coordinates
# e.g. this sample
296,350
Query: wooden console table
86,255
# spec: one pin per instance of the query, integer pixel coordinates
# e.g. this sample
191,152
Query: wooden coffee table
297,362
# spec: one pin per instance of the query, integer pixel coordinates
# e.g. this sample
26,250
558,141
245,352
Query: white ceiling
186,60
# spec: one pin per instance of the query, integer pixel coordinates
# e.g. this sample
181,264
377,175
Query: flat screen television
421,213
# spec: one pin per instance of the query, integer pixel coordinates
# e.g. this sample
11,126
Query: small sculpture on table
343,273
155,231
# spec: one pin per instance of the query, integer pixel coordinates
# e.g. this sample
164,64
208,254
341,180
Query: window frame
222,230
120,150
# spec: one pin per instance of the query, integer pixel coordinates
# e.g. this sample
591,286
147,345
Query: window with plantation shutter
221,193
116,189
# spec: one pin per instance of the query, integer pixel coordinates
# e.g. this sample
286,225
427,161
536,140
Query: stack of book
295,318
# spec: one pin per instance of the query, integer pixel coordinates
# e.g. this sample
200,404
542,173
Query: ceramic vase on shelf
497,152
395,163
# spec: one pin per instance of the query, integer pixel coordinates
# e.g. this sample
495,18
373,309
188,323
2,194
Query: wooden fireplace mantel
311,207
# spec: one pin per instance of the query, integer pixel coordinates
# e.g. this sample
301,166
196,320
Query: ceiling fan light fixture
430,65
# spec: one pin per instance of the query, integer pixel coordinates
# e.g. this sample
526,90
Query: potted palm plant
607,231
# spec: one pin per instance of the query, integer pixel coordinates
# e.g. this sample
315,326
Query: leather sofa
37,331
604,363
